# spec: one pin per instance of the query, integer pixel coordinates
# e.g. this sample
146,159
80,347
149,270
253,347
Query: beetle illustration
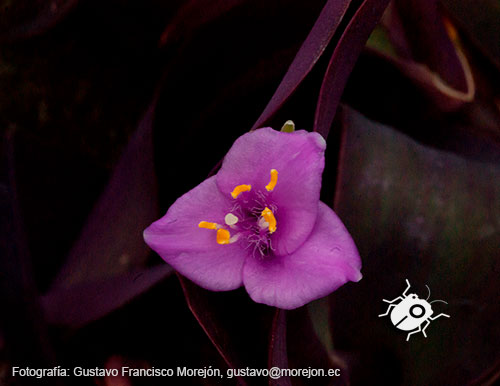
411,313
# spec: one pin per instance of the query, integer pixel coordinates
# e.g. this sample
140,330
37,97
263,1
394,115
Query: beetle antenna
438,300
428,289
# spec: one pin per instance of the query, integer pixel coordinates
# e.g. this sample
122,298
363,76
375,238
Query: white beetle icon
411,313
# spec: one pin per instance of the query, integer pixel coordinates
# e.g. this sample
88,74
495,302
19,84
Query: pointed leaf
24,330
344,57
427,54
111,241
237,326
319,313
89,301
432,217
479,20
305,349
278,356
307,56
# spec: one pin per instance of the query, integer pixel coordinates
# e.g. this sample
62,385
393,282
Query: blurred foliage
431,217
412,169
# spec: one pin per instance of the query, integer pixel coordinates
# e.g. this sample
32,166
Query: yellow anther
240,189
268,215
207,225
223,236
274,180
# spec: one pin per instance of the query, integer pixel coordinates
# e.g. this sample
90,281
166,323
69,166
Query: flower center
252,216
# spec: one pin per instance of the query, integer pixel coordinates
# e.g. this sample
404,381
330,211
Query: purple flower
259,223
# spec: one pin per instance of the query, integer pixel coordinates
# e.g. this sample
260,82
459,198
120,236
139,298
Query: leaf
28,20
319,312
83,303
235,324
309,53
111,241
429,41
491,376
24,331
432,217
427,54
189,18
341,63
278,356
479,20
305,350
394,99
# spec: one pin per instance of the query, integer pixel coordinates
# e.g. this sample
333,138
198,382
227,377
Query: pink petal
326,260
193,251
299,159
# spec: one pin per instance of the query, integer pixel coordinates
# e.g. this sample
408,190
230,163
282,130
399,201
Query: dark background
111,110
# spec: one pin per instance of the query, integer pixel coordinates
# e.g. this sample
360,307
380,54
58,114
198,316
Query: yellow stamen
268,215
223,236
240,189
274,180
207,225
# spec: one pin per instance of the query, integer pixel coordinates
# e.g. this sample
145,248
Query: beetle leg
427,323
414,332
392,301
388,310
437,316
407,288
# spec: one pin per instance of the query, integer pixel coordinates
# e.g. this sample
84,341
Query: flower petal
193,251
326,260
299,159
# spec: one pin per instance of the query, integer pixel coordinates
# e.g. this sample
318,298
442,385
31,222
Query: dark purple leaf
91,300
394,99
319,312
431,217
428,39
111,242
32,18
224,78
342,62
479,20
306,350
189,18
490,377
24,331
446,97
237,326
307,56
427,54
278,356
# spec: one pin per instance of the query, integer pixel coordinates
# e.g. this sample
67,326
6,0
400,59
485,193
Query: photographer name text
205,372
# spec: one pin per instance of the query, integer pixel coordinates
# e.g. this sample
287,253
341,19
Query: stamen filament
274,180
